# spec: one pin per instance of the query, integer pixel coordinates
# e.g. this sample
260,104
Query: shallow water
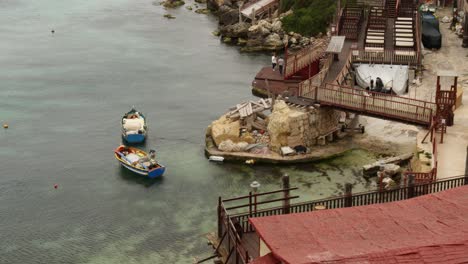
63,95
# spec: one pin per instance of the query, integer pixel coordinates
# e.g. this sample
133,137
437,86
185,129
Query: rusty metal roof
428,229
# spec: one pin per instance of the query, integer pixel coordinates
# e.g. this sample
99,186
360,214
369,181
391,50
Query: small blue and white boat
138,161
134,127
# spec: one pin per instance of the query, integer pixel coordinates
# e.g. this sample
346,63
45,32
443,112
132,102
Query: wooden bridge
318,77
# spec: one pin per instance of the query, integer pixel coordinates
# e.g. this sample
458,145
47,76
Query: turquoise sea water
63,95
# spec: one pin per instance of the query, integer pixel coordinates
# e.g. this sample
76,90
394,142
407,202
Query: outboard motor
152,154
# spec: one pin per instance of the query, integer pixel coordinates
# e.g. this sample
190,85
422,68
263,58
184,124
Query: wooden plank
375,34
401,30
403,35
404,44
405,18
403,26
375,37
404,39
375,41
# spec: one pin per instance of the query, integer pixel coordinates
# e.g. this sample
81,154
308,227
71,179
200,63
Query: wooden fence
308,88
298,61
377,104
341,77
403,57
230,230
348,200
430,176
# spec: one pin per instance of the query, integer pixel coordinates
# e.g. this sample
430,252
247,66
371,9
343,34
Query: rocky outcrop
227,15
224,129
239,30
278,126
230,146
292,127
273,42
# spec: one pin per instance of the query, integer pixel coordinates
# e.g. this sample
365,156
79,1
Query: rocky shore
264,35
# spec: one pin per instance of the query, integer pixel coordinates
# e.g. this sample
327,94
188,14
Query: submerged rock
169,16
173,3
202,11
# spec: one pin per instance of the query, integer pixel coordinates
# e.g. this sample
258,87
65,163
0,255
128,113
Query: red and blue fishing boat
138,161
134,126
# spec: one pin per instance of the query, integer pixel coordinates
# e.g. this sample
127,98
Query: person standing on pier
280,65
273,61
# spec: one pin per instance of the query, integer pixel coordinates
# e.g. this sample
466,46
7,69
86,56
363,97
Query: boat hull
151,173
134,138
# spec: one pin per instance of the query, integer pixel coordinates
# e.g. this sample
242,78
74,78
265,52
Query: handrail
375,103
385,56
432,104
303,58
258,194
306,87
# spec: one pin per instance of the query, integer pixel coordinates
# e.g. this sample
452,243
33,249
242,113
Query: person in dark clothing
378,85
372,84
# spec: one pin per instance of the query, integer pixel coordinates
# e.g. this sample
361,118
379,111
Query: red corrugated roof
428,229
267,259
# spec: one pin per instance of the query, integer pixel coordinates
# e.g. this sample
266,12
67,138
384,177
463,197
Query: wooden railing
308,88
431,175
344,71
372,103
260,11
418,37
358,199
230,229
230,238
404,57
302,59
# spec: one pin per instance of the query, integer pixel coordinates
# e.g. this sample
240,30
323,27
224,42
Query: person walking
273,61
281,65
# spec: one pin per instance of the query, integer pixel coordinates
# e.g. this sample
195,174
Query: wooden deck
275,85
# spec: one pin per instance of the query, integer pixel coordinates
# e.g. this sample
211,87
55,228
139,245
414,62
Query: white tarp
133,124
393,76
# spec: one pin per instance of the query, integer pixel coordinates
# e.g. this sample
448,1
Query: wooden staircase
350,22
391,8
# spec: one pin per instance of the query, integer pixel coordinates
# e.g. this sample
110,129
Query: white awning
336,44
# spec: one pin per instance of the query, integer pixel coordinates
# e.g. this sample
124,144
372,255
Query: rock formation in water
286,126
264,35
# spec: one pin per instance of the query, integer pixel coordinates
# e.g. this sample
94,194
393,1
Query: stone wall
289,126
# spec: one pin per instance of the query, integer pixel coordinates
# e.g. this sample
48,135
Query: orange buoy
5,125
55,186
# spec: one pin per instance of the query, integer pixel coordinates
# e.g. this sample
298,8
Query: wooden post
465,32
220,220
466,167
410,193
286,202
250,204
240,14
348,195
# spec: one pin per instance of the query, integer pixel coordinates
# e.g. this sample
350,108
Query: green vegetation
310,16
